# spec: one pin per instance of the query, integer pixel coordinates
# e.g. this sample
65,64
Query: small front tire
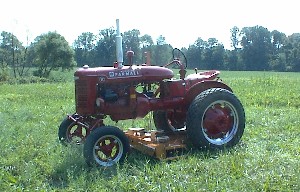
70,131
106,146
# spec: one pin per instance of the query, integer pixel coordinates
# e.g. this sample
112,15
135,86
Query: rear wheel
168,121
215,119
106,146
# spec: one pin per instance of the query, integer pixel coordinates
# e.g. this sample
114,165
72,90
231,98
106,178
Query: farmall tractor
196,110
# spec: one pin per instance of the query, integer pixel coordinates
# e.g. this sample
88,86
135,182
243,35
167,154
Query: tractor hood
126,73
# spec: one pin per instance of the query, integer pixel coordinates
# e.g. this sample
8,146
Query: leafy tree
277,58
146,41
195,54
85,49
4,68
292,52
51,52
234,37
233,61
13,53
131,41
106,47
162,51
278,40
147,46
213,54
232,57
256,47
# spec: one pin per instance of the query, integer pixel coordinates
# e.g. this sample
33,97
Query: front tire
215,119
106,146
70,131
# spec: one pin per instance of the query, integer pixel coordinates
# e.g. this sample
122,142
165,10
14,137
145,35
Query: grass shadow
74,166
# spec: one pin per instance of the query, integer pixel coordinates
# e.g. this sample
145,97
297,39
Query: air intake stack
119,50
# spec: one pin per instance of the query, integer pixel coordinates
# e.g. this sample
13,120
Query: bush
4,74
26,80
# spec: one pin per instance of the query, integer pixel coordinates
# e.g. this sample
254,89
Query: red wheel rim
108,150
175,120
220,122
77,133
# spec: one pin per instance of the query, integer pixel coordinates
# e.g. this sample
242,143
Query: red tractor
197,110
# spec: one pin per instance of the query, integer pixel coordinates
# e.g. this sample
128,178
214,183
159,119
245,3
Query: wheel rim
175,121
76,133
220,122
108,150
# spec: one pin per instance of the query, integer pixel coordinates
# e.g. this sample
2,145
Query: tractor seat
209,75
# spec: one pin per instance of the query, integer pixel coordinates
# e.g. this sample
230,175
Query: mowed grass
266,159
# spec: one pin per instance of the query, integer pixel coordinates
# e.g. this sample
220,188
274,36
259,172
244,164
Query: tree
51,52
292,52
13,53
213,54
232,56
147,46
195,54
85,49
162,51
234,37
277,57
146,41
256,47
131,41
278,40
106,47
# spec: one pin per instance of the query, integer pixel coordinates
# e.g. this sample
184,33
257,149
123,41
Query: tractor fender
202,86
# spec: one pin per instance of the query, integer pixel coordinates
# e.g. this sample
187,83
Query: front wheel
106,146
215,119
71,131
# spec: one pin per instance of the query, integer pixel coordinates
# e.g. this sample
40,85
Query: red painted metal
217,121
131,104
109,147
125,74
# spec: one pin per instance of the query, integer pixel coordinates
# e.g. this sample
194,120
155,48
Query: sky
180,22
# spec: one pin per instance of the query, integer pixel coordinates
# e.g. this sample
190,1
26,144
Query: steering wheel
178,58
178,55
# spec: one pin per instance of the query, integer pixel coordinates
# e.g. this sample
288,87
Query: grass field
266,159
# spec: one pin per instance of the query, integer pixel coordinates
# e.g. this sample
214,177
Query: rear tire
215,119
106,146
167,121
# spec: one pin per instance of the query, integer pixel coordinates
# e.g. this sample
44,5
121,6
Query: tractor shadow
140,160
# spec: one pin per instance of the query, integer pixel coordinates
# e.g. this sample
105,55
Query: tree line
253,48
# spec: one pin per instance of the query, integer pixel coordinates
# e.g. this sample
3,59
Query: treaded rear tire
215,119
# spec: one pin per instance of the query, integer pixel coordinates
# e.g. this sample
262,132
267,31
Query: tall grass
266,159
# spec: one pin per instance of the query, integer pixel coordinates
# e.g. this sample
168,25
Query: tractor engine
121,101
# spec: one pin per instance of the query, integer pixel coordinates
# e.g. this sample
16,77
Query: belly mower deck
159,144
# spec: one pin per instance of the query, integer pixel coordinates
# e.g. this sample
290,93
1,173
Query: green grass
266,159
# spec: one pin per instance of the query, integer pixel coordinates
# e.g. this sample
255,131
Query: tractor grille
81,94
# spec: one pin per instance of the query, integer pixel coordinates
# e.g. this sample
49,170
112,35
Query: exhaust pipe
119,50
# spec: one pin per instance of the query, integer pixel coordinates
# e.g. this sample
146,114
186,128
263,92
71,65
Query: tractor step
159,144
